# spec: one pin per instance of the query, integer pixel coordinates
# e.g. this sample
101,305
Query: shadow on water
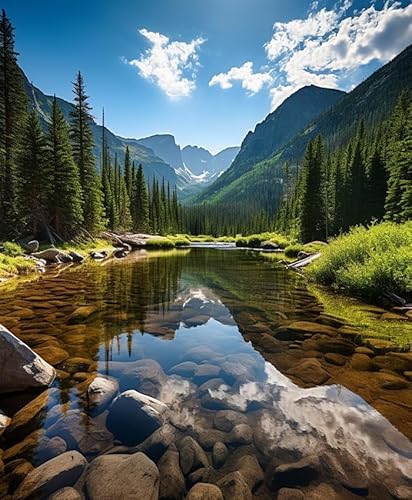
210,332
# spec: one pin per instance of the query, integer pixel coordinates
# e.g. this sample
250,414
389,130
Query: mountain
195,166
277,129
373,101
154,167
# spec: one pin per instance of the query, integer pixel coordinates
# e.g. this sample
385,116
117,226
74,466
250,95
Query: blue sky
205,71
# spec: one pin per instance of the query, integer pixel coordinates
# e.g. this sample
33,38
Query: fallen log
304,262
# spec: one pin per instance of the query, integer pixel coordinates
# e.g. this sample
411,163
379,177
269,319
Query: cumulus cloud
250,81
327,46
171,65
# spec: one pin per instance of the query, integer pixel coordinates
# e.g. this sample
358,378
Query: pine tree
64,190
13,108
34,176
128,172
140,203
377,184
82,144
356,179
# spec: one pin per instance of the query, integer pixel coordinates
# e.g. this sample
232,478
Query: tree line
368,179
50,185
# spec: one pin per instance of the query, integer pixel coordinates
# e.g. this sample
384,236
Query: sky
205,71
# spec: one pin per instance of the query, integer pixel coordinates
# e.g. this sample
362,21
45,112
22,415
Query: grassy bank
366,262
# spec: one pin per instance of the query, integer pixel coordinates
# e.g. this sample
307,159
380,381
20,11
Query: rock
396,362
4,422
192,456
234,487
99,255
51,476
362,362
301,472
204,491
290,494
120,253
397,442
122,476
52,353
100,393
240,434
269,245
335,358
81,314
251,470
225,420
66,494
219,454
364,350
50,448
145,375
200,353
172,481
202,475
346,470
381,346
309,371
81,432
76,256
19,473
53,255
20,367
133,416
208,437
185,369
339,346
32,246
205,372
211,385
235,372
76,364
298,329
22,448
158,442
26,419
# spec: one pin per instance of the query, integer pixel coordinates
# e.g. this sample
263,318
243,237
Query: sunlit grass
256,240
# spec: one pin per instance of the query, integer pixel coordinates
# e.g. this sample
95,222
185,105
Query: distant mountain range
189,169
256,174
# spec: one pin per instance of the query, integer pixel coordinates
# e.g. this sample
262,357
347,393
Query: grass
255,240
85,248
17,264
367,262
292,251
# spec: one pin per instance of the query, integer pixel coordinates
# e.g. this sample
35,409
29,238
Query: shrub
160,243
12,249
368,261
293,250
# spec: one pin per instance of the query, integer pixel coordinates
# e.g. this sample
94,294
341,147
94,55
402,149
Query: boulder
362,362
310,371
76,256
335,359
343,468
67,493
145,375
251,471
4,422
53,255
99,255
158,442
241,434
122,476
50,448
204,491
20,367
269,245
208,437
81,314
185,369
52,353
133,416
219,454
172,481
100,393
22,448
290,494
301,472
234,487
205,372
32,246
225,420
192,456
19,472
51,476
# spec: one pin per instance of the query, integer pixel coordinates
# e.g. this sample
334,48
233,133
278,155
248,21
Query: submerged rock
20,367
346,470
122,476
4,422
234,487
51,476
192,456
67,493
133,416
101,392
204,491
219,454
301,472
172,480
310,371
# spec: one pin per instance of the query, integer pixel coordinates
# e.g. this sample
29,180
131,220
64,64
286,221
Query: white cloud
171,65
328,46
252,82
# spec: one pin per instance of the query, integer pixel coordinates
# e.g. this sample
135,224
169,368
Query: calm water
217,310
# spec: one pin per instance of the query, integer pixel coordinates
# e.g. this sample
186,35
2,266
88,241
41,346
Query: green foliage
293,250
15,265
160,243
256,240
368,261
12,249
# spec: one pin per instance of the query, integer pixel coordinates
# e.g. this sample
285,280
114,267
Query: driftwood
304,262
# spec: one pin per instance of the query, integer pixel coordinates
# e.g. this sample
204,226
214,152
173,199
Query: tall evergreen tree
65,194
13,108
377,184
128,172
82,144
356,182
34,176
140,203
